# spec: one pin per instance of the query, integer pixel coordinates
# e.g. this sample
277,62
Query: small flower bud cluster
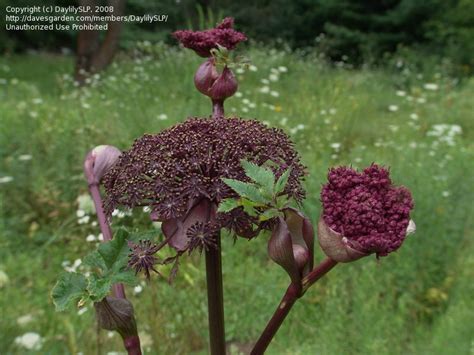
203,41
365,208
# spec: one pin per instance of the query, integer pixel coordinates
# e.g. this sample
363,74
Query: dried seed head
142,257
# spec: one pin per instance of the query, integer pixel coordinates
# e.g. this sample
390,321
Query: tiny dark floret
142,257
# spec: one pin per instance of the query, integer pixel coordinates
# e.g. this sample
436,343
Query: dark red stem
292,294
119,290
217,108
132,344
215,299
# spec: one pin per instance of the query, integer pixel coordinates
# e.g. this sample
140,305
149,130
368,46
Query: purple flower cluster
176,171
365,208
203,41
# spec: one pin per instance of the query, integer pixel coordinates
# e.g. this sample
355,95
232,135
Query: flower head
363,213
178,173
142,257
203,41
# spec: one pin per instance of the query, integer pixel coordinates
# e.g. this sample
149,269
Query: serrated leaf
95,260
98,287
261,175
247,190
249,207
126,276
69,289
228,205
115,252
268,214
282,181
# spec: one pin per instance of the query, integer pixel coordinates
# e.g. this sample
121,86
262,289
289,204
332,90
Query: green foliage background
355,31
416,301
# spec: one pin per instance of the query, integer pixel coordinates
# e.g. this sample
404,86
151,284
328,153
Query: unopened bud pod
116,314
218,86
98,161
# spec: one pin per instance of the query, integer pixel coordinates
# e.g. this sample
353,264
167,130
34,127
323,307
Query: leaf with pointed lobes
291,244
98,161
218,86
116,314
175,230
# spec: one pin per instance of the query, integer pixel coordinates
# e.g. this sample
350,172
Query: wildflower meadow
414,120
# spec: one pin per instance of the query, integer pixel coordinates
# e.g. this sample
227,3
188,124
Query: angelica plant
209,174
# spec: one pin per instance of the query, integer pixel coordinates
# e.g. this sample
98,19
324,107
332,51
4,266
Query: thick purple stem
215,299
132,344
217,108
292,294
94,190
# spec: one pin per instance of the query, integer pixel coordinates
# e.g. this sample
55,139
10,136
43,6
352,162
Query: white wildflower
446,193
91,238
240,70
25,157
273,77
6,179
265,81
163,117
421,100
282,69
335,146
274,93
24,320
80,213
238,94
4,279
253,68
332,111
431,86
393,108
137,289
30,341
400,93
264,89
414,116
37,101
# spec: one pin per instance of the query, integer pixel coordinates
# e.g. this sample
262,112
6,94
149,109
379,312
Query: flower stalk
215,299
289,298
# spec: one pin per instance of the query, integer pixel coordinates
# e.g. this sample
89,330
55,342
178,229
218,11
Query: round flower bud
98,161
363,213
210,83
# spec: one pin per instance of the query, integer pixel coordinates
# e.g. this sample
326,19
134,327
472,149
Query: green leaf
69,289
261,175
249,207
98,287
126,276
228,205
268,214
282,181
95,261
115,252
247,190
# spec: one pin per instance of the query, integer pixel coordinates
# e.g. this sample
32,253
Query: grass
416,301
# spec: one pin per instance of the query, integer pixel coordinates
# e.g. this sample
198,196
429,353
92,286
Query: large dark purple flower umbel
178,173
363,213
